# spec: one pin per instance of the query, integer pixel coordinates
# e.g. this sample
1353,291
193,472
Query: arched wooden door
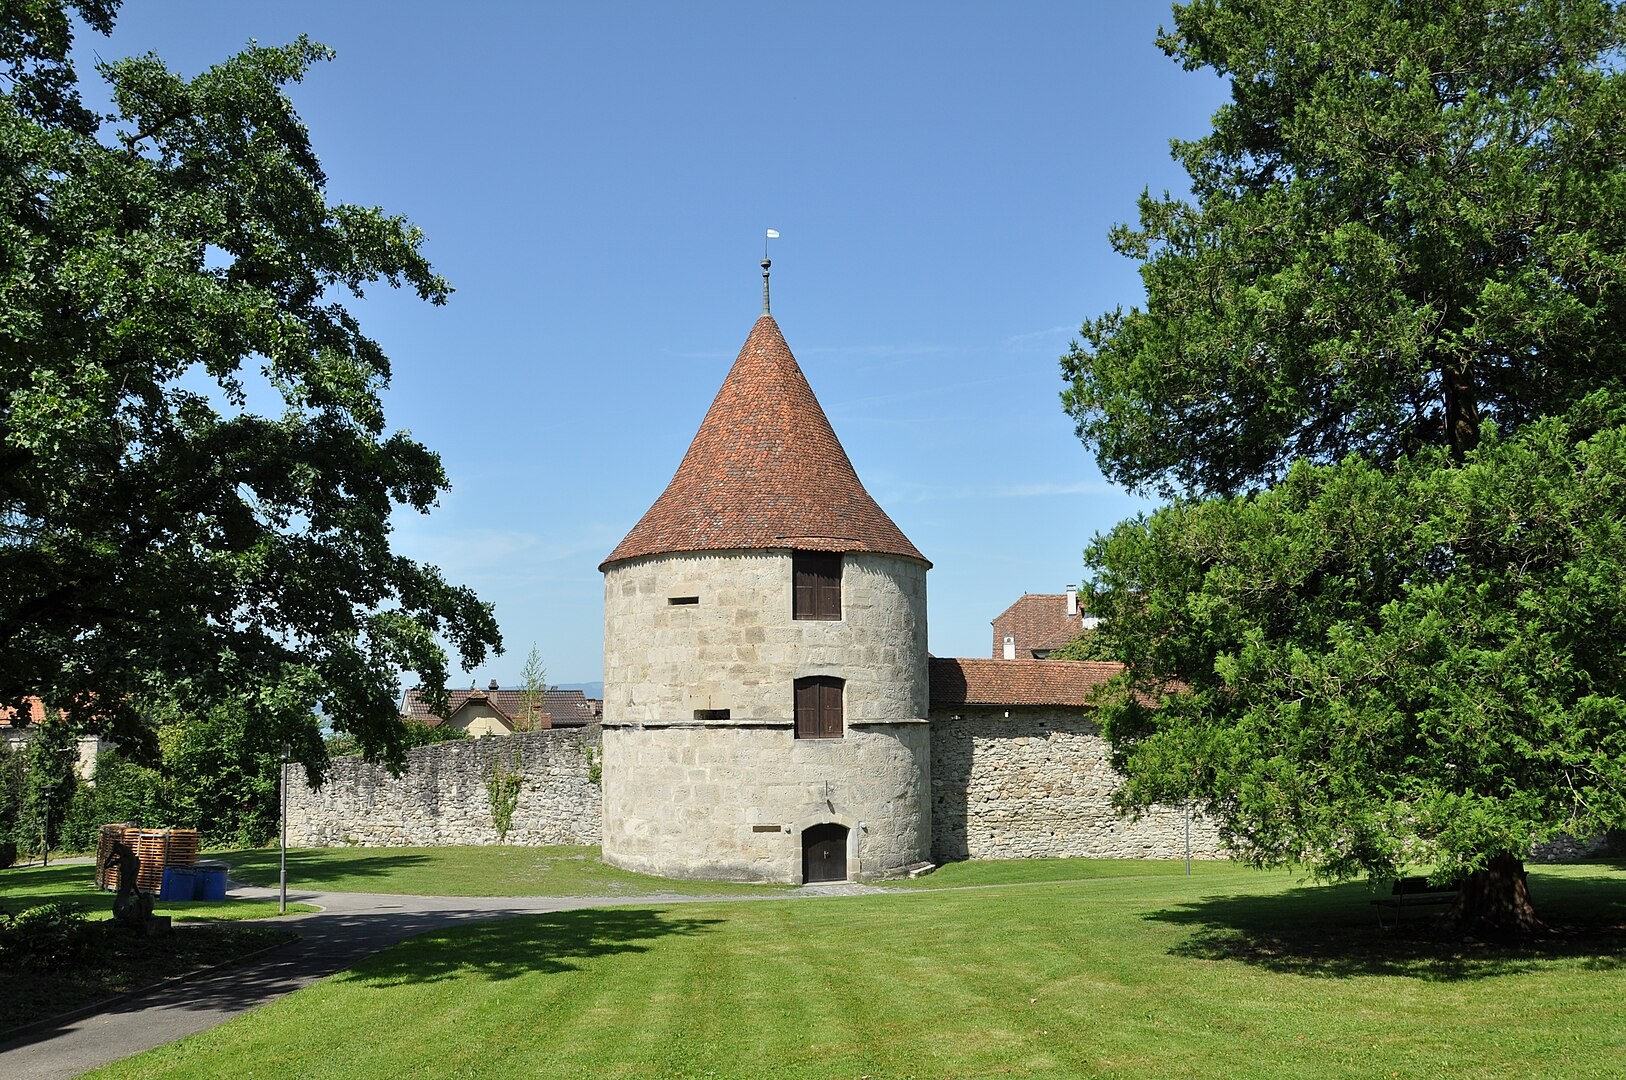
824,853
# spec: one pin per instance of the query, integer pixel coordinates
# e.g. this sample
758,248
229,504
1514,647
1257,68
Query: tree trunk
1495,902
1461,411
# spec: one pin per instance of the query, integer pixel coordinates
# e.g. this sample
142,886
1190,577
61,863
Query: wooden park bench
1416,892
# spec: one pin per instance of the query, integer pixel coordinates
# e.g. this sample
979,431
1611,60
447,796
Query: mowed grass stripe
496,870
1148,976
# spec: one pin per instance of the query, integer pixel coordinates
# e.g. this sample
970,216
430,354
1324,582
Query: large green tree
1410,219
163,269
1379,370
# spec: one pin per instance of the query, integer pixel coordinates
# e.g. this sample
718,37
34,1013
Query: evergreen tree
1380,371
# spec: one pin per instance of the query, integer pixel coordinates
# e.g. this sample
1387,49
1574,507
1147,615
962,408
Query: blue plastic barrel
178,884
211,881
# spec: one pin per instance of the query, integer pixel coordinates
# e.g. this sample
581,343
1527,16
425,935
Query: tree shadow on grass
527,944
1333,931
316,868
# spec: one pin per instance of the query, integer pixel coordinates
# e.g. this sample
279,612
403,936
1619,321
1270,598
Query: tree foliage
1380,372
161,271
49,781
13,783
1365,669
1090,644
1410,219
533,684
118,790
220,773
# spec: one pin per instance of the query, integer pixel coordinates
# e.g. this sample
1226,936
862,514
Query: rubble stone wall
441,797
1022,783
1032,784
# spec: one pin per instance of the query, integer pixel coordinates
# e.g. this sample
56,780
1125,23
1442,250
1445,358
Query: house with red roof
499,711
1039,623
18,731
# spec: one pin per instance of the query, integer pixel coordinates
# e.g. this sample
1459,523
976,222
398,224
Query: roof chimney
1072,603
493,685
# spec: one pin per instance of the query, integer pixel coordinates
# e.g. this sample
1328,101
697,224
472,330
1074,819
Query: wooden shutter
817,580
819,711
807,708
830,718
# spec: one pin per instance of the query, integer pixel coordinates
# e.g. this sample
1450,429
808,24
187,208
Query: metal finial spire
773,234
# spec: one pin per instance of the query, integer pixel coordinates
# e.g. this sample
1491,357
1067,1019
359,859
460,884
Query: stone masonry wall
441,797
703,775
1036,784
1024,783
732,804
737,648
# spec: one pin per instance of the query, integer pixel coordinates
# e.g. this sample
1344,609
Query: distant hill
588,689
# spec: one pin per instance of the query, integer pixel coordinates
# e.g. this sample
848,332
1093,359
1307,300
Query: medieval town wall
1029,782
441,797
1035,784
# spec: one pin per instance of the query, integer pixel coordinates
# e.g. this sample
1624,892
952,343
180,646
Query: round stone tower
765,689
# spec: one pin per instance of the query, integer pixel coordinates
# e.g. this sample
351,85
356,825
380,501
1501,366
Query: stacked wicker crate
155,848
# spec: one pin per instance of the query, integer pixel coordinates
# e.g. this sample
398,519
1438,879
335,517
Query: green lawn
973,874
1226,973
101,960
466,871
74,884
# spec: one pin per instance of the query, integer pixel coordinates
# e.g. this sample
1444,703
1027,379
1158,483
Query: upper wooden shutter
817,585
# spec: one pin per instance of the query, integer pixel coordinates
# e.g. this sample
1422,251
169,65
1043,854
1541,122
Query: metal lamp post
282,873
1188,839
45,816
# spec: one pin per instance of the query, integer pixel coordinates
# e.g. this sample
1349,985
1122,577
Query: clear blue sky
595,180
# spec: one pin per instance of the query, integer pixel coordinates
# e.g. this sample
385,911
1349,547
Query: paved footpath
350,927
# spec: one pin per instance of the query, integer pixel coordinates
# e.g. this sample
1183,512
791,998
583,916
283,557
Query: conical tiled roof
765,471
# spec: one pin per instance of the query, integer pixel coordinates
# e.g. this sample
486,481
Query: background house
1039,623
498,711
18,735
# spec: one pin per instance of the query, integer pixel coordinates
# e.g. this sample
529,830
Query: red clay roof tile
36,714
1038,621
564,708
765,470
967,681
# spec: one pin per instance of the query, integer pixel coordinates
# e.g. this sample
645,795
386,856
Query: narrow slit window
816,577
683,601
703,715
